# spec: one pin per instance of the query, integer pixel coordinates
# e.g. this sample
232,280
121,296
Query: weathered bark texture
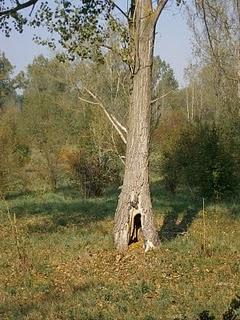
134,209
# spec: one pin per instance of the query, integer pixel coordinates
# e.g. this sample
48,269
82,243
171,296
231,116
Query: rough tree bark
134,210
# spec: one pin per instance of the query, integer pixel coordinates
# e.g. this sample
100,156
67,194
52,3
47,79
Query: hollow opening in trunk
137,229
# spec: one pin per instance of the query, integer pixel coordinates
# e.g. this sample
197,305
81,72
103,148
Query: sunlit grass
71,271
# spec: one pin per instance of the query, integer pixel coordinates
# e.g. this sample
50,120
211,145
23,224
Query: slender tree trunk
193,100
187,102
134,209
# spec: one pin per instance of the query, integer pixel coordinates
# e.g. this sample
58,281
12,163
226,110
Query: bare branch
107,114
163,96
214,54
116,150
119,124
206,26
88,101
19,6
119,9
160,6
32,9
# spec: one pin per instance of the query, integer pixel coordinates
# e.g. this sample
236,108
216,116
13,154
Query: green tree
67,134
216,26
164,89
14,153
199,148
6,83
47,120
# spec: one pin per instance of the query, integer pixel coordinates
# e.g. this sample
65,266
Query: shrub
199,160
92,172
14,154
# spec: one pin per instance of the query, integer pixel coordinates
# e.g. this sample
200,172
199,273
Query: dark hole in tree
137,226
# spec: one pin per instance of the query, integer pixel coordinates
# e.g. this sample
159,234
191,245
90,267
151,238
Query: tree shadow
56,212
178,216
65,208
49,297
174,226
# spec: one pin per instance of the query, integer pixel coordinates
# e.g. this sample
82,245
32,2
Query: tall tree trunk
187,102
134,209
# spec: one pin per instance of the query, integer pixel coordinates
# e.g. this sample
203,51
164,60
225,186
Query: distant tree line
63,124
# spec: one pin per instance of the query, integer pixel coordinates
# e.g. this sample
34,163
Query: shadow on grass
64,208
56,211
166,201
173,226
35,308
65,191
179,211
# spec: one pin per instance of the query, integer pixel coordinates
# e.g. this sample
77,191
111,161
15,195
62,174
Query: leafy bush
199,160
92,172
14,154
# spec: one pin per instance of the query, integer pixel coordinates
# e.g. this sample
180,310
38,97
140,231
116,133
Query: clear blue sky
172,43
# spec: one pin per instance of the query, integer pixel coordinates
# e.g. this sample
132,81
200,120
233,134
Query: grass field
57,259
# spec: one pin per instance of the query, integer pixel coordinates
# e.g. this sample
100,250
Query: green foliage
163,76
11,20
165,142
45,121
230,130
163,83
198,159
83,27
53,119
6,84
14,153
93,172
79,25
205,163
